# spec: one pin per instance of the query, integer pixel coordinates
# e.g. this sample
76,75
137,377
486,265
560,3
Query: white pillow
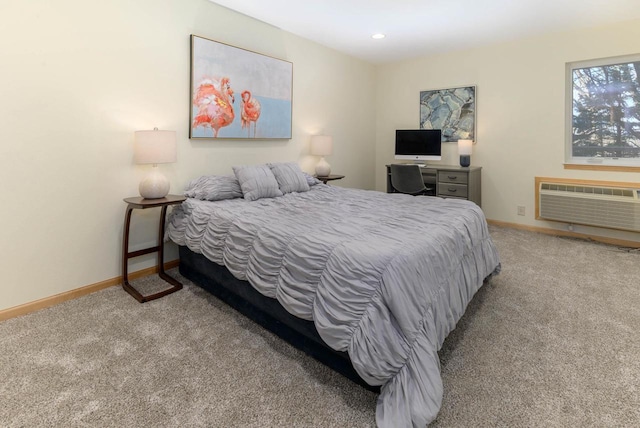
256,182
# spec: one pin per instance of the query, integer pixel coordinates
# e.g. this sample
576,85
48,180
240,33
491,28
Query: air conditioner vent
602,206
613,191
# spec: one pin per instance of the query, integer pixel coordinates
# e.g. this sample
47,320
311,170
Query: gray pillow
289,177
311,180
257,181
214,188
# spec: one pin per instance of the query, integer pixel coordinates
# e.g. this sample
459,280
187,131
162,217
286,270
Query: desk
450,181
142,203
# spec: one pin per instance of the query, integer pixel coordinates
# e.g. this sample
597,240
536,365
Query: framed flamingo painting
236,93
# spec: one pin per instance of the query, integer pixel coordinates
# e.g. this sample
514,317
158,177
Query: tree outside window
605,120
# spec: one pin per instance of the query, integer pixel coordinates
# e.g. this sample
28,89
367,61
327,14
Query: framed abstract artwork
451,110
236,93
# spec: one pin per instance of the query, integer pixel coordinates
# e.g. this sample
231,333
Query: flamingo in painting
250,112
215,105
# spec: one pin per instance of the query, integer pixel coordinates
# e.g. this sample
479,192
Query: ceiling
416,28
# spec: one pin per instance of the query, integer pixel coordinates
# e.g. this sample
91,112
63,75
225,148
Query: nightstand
329,178
142,203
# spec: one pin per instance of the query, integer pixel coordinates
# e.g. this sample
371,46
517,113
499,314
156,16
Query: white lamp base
323,169
154,185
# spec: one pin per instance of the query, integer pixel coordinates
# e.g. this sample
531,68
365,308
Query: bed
370,283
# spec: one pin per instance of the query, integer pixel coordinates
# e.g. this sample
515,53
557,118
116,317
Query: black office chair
408,179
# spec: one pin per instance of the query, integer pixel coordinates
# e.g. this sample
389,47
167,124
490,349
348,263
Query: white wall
79,77
520,112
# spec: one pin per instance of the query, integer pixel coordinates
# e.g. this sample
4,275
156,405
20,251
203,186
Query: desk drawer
448,189
453,177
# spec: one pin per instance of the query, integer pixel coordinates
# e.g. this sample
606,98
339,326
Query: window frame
580,162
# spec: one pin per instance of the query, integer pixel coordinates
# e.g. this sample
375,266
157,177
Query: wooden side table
142,203
329,178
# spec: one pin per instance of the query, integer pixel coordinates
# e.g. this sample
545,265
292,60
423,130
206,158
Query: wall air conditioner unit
610,205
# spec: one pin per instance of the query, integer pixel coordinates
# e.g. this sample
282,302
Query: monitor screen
419,144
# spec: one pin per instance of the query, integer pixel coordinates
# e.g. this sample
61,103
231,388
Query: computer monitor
418,145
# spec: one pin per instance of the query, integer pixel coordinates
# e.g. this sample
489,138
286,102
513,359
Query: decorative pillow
311,180
289,177
214,188
256,182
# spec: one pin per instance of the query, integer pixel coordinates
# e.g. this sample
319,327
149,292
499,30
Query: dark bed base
265,311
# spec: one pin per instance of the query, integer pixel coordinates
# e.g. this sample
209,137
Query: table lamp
465,148
322,145
154,147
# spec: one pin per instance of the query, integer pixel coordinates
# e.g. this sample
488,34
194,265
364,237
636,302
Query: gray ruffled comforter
384,277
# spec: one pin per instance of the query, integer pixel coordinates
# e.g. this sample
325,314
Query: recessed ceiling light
378,36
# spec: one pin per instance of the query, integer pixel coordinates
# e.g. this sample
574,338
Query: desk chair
408,179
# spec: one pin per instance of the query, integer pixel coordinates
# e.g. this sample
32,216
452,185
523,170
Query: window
603,122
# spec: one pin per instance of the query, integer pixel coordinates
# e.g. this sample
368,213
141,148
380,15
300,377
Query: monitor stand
421,165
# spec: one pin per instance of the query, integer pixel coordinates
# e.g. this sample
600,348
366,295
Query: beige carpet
553,341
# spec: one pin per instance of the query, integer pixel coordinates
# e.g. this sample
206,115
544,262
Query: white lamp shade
465,147
321,145
155,147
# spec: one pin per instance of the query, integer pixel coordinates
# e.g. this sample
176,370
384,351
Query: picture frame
453,110
238,94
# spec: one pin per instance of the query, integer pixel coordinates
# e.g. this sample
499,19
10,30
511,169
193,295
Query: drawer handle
452,177
453,190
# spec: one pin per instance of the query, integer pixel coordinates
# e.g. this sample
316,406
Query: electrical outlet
521,210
